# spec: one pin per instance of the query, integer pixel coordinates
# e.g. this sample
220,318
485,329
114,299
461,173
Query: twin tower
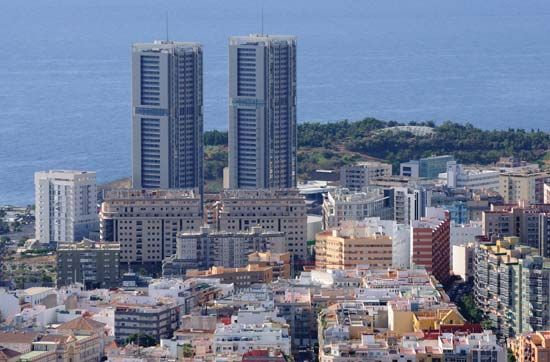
167,113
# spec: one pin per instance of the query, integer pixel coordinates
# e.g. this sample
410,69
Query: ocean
65,69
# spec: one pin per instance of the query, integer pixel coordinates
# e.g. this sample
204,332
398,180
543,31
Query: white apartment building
66,205
472,179
463,260
356,177
343,205
241,338
400,236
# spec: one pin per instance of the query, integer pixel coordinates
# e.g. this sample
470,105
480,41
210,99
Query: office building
353,244
512,287
93,264
280,210
430,238
262,112
356,177
146,222
167,115
65,205
429,167
526,185
342,205
409,203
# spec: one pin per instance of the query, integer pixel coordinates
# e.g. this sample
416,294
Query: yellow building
531,347
353,244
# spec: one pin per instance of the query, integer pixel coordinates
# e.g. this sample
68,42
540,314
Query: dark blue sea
65,68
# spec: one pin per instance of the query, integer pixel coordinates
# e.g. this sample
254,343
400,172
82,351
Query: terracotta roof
18,337
58,338
6,353
82,324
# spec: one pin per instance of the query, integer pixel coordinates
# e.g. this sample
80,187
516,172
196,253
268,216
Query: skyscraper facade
167,115
262,111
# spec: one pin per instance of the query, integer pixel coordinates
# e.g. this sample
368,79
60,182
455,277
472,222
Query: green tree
142,339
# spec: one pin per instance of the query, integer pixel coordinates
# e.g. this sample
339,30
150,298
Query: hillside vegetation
333,144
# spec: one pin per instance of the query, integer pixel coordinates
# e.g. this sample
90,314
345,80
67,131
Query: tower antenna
262,18
166,26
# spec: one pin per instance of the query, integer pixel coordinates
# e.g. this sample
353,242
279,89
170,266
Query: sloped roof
82,324
18,337
6,353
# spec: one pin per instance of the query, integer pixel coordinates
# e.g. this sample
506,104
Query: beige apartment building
357,176
527,185
352,244
146,222
282,210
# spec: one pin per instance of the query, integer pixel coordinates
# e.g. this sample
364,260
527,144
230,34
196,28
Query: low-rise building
94,264
240,277
279,263
241,338
158,321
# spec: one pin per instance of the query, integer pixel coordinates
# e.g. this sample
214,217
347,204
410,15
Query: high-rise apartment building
66,205
512,287
146,222
262,112
167,115
431,243
282,210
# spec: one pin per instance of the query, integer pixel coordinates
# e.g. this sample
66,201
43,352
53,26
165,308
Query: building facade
512,287
94,264
65,204
342,205
146,222
356,177
526,185
262,112
230,249
351,245
158,321
167,115
280,210
431,243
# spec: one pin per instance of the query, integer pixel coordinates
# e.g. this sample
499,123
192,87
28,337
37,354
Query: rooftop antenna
262,19
166,26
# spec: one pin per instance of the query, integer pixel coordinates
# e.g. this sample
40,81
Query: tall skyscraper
262,111
66,205
167,115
